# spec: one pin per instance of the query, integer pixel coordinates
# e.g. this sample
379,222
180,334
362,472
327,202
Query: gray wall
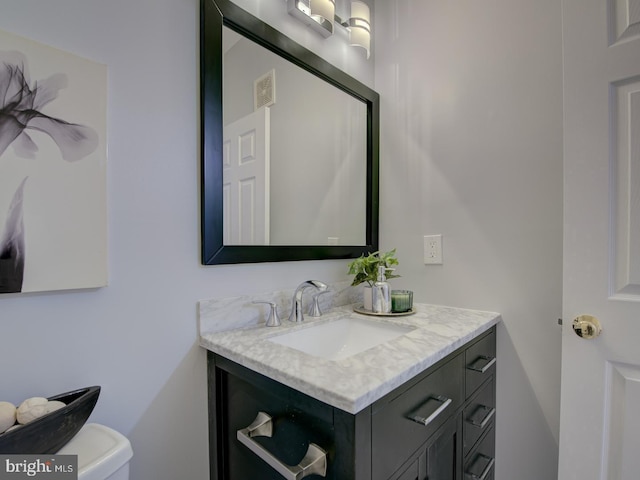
471,148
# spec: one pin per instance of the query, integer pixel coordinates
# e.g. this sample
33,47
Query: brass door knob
586,327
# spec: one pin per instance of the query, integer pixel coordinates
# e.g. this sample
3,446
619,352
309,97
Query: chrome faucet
296,307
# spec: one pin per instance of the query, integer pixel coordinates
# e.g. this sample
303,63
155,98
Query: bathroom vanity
404,397
418,406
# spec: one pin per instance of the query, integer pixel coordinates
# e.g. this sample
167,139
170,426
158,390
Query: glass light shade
360,26
360,10
325,9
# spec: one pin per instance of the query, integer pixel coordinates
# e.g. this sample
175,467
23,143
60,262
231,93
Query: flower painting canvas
53,214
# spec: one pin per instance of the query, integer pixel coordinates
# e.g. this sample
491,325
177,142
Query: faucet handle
274,319
314,310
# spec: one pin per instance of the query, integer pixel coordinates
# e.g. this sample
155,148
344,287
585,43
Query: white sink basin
342,338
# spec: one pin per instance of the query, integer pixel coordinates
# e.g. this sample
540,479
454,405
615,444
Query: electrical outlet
433,249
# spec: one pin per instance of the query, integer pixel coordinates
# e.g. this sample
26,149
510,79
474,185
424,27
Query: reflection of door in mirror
245,179
317,181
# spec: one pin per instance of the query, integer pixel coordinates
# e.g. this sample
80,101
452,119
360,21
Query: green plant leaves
365,268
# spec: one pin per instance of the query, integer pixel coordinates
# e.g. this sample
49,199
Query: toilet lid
101,451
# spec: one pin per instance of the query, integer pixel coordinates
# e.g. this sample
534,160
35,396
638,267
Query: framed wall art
53,212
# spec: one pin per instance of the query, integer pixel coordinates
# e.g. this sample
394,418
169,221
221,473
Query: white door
600,410
245,180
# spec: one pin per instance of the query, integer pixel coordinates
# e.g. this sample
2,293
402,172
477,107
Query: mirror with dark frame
308,208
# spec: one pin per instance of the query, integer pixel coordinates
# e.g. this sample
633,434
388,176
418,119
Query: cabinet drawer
479,415
407,421
480,464
410,473
480,359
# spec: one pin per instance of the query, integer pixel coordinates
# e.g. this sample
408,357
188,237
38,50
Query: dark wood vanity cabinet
437,426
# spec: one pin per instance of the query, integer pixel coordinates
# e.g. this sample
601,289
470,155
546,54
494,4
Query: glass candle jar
401,301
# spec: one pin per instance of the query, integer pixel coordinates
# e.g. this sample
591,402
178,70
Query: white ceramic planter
367,297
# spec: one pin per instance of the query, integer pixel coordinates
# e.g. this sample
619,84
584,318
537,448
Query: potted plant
365,270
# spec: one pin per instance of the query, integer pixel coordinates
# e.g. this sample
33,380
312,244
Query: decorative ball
7,415
53,405
31,409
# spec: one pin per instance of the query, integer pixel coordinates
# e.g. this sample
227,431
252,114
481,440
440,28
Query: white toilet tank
103,453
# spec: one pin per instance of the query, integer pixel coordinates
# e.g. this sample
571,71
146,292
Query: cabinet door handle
485,471
489,413
421,419
313,463
488,363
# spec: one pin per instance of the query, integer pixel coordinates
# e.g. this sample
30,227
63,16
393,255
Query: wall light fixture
320,16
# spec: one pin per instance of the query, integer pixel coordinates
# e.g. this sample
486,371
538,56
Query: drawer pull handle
422,420
490,361
488,415
313,463
485,471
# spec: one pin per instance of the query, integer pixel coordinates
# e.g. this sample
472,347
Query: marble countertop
353,383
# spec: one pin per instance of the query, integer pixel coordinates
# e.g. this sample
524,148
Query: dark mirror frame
214,14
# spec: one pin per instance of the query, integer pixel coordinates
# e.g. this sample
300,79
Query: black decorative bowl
52,431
